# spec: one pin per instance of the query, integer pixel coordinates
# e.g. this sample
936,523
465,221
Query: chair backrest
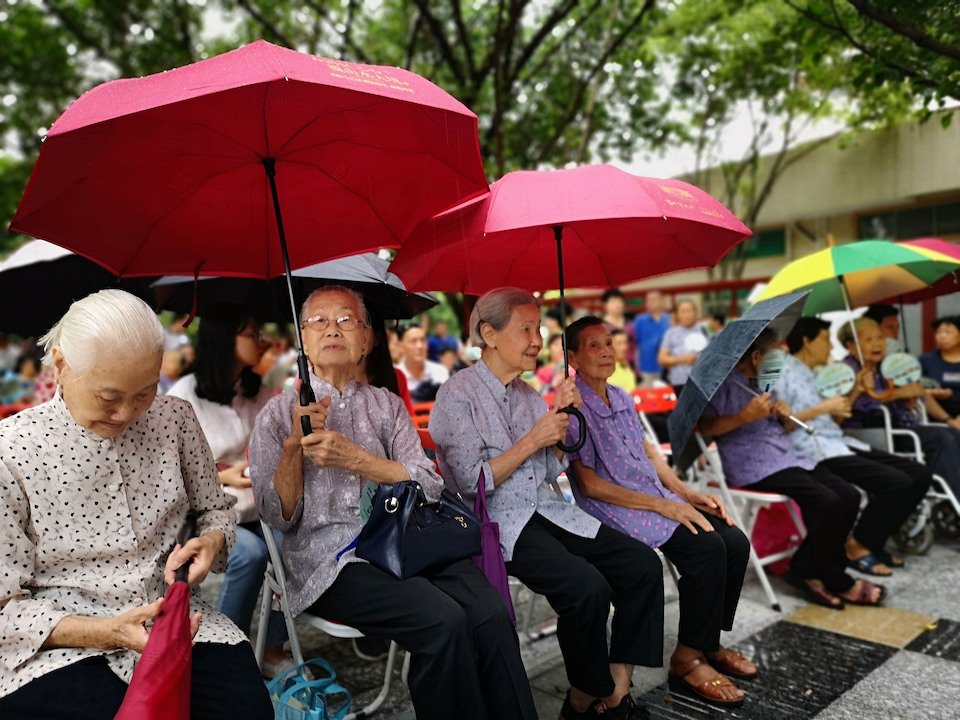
421,413
654,399
429,446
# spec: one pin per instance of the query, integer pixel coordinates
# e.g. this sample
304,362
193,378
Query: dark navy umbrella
717,361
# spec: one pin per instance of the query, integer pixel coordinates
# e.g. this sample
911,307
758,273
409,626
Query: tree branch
915,35
464,36
436,29
557,16
123,65
270,29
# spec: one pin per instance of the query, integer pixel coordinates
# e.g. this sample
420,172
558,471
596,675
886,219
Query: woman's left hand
710,503
327,448
567,394
199,552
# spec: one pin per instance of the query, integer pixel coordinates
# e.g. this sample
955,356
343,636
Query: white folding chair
275,598
940,508
744,506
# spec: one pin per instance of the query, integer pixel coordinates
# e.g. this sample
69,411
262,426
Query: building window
767,243
912,223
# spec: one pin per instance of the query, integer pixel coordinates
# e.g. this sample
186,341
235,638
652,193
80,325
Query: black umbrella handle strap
306,392
582,438
188,530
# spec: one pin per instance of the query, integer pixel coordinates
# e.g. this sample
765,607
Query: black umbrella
40,280
717,361
383,292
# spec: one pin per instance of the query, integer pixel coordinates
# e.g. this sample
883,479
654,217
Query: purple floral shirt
755,450
615,451
864,404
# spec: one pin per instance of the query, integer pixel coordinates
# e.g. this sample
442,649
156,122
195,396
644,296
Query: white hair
349,292
111,320
496,307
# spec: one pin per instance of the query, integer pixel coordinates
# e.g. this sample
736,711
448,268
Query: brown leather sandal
708,690
730,663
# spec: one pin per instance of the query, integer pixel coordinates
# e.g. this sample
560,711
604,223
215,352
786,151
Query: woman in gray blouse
465,656
95,485
490,425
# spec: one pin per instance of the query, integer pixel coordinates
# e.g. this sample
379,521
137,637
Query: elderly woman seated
465,654
95,485
940,444
894,484
750,429
625,483
488,424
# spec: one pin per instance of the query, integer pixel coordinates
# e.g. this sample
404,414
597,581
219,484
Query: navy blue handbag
408,535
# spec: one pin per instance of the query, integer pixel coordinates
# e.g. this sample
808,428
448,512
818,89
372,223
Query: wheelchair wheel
916,535
945,520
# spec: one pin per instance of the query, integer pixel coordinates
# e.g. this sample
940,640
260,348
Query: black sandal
868,565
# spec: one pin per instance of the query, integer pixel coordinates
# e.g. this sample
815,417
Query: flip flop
868,565
818,596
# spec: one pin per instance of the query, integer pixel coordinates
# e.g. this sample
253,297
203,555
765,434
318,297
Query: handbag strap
276,685
480,502
323,688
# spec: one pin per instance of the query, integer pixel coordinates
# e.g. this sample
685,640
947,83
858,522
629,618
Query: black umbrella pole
303,367
570,410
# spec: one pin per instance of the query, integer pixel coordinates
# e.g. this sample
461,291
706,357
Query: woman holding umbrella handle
489,424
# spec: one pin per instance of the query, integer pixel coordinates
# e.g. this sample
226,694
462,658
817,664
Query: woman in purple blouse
627,485
750,429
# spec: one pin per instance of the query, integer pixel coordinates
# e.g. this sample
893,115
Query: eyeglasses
256,335
344,322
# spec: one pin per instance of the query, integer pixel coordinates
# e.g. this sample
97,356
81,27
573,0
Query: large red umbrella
605,226
160,686
200,169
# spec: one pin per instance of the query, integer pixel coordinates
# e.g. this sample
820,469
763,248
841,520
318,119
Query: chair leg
265,597
384,691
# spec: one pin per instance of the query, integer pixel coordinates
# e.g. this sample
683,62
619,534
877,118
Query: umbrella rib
326,116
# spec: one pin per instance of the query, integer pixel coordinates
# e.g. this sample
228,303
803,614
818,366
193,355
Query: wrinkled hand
199,552
567,394
550,429
233,476
129,629
328,448
317,412
954,423
836,406
782,410
865,380
687,515
710,503
912,390
758,408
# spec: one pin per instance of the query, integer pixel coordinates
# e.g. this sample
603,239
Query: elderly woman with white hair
95,485
465,657
489,425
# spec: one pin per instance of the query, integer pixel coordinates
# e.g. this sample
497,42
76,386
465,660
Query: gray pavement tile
909,686
928,584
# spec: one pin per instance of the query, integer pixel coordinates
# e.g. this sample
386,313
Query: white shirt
87,523
432,371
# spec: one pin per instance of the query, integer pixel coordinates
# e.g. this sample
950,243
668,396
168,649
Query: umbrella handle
306,392
885,395
571,410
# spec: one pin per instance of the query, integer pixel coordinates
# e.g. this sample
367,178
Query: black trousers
941,450
225,683
465,656
580,577
894,484
711,567
829,506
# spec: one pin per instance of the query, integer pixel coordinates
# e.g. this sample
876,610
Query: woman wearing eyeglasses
226,395
465,658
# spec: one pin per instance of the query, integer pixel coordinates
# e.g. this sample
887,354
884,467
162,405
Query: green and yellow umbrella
860,273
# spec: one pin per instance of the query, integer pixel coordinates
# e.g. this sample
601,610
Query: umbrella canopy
383,292
39,281
160,686
715,363
860,273
949,283
616,227
170,173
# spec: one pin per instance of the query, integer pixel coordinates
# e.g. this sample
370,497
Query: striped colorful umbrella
860,273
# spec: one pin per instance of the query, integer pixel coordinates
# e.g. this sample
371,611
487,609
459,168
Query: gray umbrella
717,361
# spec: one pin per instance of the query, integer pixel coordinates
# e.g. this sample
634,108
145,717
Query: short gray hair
496,307
845,332
353,294
108,319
